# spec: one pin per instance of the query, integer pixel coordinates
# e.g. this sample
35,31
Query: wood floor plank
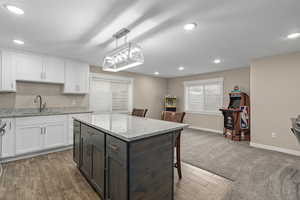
56,177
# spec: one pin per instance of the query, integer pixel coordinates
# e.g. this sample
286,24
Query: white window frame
188,84
112,78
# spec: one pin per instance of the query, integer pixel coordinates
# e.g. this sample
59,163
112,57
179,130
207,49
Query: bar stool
139,112
175,117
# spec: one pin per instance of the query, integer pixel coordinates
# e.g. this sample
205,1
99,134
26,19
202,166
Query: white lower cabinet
28,135
40,133
29,138
54,135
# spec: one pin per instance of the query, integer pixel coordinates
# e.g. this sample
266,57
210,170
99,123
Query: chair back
173,116
139,112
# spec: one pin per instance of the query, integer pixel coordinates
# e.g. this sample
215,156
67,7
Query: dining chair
175,117
139,112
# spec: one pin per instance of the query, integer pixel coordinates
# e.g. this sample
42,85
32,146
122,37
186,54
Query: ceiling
235,31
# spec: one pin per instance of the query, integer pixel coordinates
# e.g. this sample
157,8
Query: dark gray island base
125,157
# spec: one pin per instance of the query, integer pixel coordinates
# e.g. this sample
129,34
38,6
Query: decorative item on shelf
125,56
170,103
237,116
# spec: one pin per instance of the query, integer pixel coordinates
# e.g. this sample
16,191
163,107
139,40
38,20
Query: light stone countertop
130,128
30,112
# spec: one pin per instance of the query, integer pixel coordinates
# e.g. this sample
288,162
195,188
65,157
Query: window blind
100,96
109,96
120,96
204,96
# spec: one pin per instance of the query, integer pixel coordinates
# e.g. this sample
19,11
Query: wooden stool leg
178,159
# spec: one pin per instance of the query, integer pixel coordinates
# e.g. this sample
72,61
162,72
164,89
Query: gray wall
275,98
234,77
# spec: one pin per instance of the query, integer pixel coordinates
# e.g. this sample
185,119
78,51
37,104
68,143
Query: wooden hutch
170,103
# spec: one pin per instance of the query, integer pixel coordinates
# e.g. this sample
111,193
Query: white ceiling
236,31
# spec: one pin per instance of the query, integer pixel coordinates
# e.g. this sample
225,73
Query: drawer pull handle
113,147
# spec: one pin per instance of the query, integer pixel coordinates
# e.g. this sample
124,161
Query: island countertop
130,128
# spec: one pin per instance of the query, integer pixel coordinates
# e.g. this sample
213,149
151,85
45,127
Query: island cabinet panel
97,139
76,144
116,164
92,162
137,168
150,168
86,150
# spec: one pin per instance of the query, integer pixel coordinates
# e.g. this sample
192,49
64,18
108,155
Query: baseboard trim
274,148
206,129
34,154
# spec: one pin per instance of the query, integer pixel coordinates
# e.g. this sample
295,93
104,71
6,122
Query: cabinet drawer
116,149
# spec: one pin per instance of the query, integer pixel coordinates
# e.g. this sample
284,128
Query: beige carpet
257,174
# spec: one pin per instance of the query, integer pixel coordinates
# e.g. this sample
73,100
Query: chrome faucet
42,105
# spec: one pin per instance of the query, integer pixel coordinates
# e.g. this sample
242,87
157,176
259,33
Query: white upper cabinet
7,72
36,68
76,77
21,66
54,70
29,67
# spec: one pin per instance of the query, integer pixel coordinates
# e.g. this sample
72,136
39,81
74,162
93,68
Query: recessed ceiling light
20,42
14,9
156,73
190,26
293,36
181,68
217,61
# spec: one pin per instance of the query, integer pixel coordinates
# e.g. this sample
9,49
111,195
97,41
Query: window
204,96
110,94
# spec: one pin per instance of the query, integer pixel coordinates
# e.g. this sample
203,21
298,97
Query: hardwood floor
55,177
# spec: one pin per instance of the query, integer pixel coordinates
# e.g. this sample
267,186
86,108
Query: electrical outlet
274,135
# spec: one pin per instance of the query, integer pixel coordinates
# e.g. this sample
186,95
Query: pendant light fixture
123,57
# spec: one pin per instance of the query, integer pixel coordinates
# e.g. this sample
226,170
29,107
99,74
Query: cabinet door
98,160
116,177
83,81
8,145
76,143
28,139
54,134
86,116
76,77
8,72
29,67
70,77
86,152
54,70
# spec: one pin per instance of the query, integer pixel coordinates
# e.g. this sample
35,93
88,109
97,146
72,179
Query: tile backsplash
51,93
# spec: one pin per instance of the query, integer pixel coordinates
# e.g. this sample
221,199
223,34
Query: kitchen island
125,157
